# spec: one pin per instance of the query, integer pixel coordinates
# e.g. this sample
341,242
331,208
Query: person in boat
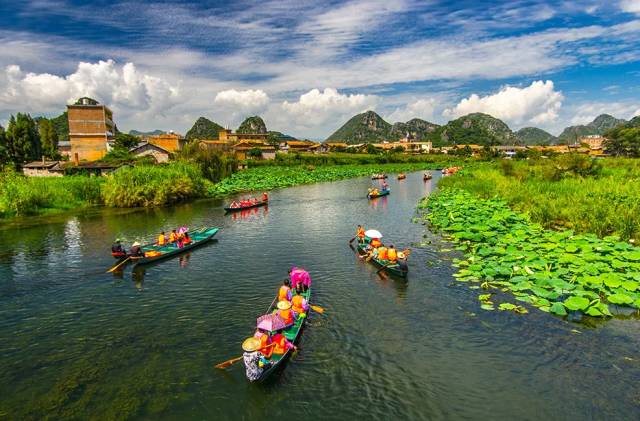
173,237
300,279
162,240
117,249
265,197
402,261
234,204
375,243
392,254
382,253
282,343
186,239
360,234
299,305
385,186
265,340
284,294
284,311
252,358
374,192
136,250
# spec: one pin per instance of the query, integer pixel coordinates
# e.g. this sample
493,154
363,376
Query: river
79,343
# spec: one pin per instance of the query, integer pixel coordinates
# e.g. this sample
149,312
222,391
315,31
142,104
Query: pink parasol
270,322
182,230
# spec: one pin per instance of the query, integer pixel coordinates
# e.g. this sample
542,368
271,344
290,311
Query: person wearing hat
284,311
402,261
253,360
117,250
282,344
136,250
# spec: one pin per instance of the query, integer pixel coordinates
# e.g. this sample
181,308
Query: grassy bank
572,192
555,271
21,195
271,177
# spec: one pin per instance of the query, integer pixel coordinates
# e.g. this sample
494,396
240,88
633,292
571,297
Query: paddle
351,241
235,360
317,309
119,264
383,268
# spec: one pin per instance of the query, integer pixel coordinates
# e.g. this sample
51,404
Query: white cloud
586,112
124,89
631,6
248,101
421,108
316,111
538,103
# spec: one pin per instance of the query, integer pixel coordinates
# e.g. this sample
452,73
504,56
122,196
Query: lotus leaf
576,303
619,299
630,285
487,307
507,306
558,308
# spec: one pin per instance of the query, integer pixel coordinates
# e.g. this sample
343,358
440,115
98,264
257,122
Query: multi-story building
91,129
593,141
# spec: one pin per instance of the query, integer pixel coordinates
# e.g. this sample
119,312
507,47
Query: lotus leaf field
268,178
556,271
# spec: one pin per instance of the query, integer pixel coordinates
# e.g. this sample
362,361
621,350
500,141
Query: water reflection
250,214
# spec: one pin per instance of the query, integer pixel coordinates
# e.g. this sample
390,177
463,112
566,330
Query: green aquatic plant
555,271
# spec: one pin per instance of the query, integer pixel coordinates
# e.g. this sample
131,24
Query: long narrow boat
392,269
402,176
379,176
427,176
292,333
255,205
163,252
380,194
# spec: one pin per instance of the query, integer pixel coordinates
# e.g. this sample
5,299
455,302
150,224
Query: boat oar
383,268
317,309
235,360
351,241
119,264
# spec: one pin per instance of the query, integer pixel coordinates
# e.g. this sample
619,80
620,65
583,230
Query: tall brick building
91,127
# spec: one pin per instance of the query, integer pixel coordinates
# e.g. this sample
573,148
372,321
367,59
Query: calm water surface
78,343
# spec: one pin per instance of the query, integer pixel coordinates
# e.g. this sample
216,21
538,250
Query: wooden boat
255,205
119,255
392,269
163,252
380,194
379,176
292,334
402,176
427,176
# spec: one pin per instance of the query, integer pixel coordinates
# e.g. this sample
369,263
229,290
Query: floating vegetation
556,271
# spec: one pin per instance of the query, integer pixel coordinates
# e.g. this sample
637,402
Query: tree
372,150
623,141
4,156
126,141
48,138
398,149
22,139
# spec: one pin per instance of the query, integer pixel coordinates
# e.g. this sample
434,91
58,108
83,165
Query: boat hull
198,238
384,193
393,270
257,205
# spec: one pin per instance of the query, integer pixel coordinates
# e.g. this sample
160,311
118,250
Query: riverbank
556,271
566,192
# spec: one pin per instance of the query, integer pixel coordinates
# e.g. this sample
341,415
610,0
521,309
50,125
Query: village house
333,147
297,146
91,129
44,168
241,144
159,155
170,142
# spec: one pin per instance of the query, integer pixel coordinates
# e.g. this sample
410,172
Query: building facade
91,129
170,142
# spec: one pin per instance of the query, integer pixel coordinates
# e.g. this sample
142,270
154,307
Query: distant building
593,141
91,128
230,137
170,142
64,148
44,169
297,146
333,146
246,148
160,155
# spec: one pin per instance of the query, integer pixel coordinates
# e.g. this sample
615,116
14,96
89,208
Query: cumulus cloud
538,103
631,6
421,108
124,88
316,108
249,101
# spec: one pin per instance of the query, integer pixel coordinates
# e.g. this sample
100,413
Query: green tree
623,141
126,141
4,156
48,138
22,139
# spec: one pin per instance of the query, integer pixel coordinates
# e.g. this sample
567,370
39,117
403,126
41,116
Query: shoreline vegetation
558,272
193,175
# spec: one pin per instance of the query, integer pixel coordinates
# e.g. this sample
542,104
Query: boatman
117,249
136,250
254,362
360,234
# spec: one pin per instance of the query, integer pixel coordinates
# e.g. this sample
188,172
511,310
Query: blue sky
307,66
